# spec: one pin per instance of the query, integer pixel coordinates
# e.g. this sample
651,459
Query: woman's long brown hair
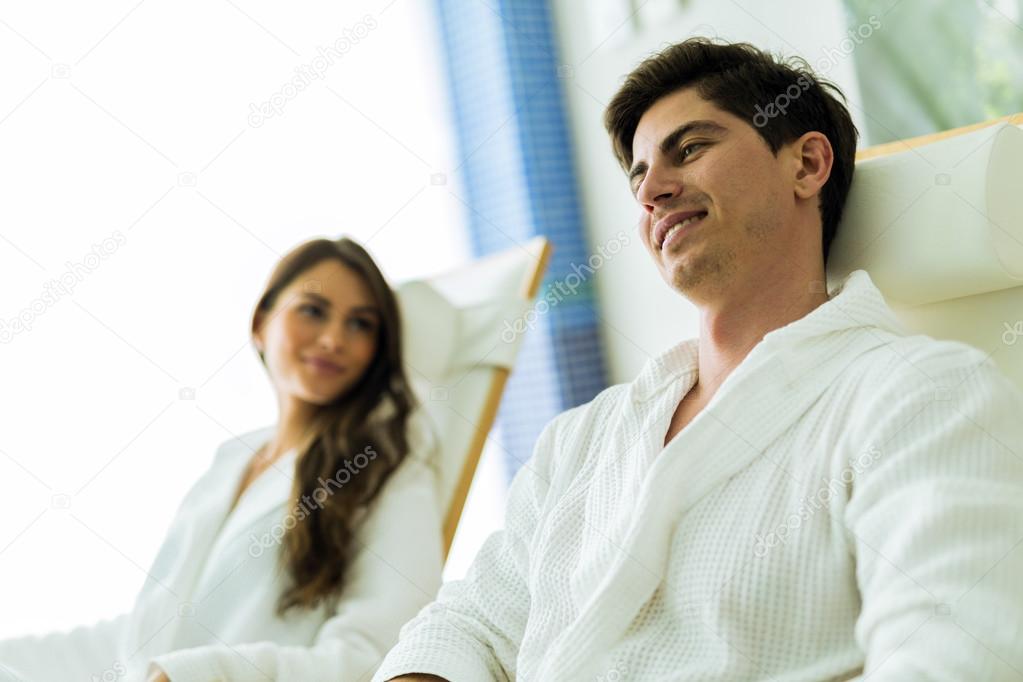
317,549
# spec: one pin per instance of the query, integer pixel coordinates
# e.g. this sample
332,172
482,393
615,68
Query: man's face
691,158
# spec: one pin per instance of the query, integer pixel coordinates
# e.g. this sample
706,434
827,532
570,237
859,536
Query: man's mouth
674,224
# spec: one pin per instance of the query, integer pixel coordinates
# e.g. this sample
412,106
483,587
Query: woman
306,545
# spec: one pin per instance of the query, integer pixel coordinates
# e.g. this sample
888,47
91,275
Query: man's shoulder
566,443
909,371
914,358
579,425
595,411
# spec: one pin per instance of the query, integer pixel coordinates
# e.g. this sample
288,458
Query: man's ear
813,159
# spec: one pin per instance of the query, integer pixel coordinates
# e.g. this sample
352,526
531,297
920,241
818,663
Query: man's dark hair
781,99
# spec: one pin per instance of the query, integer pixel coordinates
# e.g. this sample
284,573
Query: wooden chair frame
529,289
919,141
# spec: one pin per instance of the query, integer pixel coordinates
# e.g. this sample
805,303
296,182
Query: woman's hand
156,675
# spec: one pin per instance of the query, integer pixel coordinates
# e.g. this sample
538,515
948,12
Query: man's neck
729,331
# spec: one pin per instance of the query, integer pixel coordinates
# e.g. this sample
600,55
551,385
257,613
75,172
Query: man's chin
697,279
679,273
685,285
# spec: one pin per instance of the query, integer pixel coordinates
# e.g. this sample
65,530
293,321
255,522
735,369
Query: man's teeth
678,226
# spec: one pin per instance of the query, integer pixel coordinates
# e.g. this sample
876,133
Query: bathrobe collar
855,303
267,493
271,490
764,396
199,549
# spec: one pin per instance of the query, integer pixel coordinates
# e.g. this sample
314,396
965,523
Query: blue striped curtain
516,164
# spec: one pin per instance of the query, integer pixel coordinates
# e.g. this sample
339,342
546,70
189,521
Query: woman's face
321,334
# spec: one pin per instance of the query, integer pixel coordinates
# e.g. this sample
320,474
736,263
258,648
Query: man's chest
686,411
597,513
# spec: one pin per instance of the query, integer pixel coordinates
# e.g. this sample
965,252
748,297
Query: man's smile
672,224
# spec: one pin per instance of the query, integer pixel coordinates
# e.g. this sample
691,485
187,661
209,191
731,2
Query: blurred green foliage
937,64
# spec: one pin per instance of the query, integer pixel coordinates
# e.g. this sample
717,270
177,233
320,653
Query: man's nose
660,185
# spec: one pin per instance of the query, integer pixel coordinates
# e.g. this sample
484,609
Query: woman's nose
333,337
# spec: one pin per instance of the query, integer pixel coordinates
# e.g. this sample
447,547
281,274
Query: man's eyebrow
674,137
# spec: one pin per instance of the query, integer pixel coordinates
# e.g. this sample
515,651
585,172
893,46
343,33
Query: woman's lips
323,366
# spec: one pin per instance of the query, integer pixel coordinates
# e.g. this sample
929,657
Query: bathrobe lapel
764,396
168,594
267,494
202,545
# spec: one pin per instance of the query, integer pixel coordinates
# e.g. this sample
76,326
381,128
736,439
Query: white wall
599,44
132,122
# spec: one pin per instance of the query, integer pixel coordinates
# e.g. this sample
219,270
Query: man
804,492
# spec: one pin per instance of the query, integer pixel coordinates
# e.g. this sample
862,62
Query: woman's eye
361,324
311,310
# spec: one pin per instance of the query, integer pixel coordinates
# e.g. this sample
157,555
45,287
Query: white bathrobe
206,611
850,502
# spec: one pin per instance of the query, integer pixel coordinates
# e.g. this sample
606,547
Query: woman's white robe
206,611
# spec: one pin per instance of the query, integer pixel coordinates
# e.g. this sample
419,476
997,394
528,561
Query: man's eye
688,149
